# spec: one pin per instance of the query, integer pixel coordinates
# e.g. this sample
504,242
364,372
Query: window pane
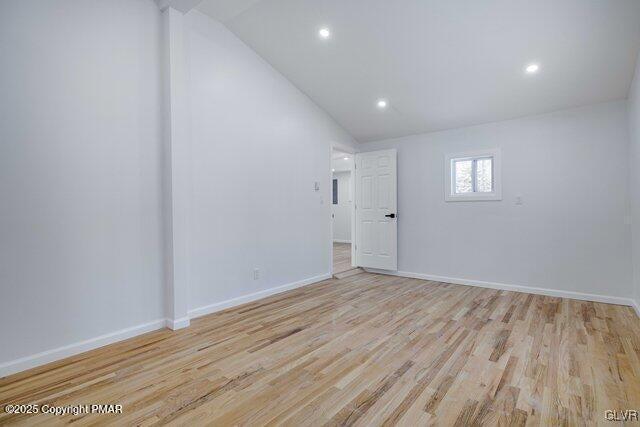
335,191
484,175
463,182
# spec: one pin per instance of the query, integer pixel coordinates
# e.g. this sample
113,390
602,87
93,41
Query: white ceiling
441,63
223,10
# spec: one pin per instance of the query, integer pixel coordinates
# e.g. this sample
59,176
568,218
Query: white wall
80,134
258,146
569,234
80,181
342,211
634,163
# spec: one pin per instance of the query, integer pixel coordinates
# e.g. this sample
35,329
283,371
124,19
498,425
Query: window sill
472,197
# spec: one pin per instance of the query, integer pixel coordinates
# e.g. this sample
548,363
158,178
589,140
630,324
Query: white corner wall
82,174
571,234
258,145
634,177
80,165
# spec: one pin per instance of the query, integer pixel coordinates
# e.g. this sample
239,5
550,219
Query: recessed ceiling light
333,170
382,103
324,33
532,68
346,158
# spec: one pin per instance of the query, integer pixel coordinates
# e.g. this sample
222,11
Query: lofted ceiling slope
441,64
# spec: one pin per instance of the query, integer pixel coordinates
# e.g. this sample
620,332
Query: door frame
352,184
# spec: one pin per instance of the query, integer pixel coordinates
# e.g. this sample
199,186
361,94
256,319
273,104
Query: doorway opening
342,204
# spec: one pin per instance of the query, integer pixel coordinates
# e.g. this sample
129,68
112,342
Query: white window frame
449,190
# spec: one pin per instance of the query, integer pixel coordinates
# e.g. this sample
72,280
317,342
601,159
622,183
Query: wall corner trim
513,288
175,324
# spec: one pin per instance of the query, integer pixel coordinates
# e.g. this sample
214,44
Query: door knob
392,215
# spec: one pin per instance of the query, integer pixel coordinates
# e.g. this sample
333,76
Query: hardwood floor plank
341,257
363,350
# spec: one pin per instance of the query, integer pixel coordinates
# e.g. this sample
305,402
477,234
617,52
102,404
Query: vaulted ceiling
441,63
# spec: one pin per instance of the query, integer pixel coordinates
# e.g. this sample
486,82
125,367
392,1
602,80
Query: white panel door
376,215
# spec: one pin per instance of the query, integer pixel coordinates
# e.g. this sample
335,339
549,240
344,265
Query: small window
473,176
335,191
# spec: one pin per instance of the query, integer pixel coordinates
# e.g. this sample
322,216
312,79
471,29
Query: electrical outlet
256,274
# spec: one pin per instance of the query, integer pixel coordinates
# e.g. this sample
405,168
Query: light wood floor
341,257
367,350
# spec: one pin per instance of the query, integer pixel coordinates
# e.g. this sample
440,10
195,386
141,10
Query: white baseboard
212,308
48,356
53,355
28,362
341,241
636,306
175,324
514,288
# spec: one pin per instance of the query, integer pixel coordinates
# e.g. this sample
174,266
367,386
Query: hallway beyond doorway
341,257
